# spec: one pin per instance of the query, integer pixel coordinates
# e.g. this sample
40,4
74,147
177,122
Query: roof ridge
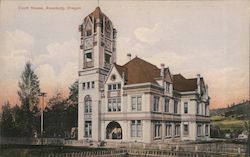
141,60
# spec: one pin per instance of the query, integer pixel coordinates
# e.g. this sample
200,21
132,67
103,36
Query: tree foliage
60,114
29,88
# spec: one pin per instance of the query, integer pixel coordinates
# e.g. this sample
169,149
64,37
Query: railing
177,148
140,153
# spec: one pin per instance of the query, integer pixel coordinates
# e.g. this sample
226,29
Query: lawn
227,123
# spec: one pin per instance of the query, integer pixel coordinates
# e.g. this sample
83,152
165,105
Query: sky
210,38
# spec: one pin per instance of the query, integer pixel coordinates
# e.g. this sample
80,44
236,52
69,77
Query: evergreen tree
7,124
28,93
73,105
29,88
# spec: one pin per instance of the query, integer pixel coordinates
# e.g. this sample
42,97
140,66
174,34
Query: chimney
162,69
198,83
128,56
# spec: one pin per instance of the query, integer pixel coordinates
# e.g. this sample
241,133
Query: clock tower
97,53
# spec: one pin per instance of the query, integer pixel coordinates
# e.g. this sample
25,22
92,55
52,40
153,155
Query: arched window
113,131
87,104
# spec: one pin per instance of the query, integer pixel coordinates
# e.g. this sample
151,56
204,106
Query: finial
98,3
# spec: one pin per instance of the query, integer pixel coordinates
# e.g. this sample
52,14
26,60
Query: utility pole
42,94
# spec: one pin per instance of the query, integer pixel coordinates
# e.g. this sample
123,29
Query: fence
140,153
221,148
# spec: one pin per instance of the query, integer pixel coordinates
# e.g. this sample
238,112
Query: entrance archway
114,131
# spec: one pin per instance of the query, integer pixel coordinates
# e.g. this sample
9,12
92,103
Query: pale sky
206,37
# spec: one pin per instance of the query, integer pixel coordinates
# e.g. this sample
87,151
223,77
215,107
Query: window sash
185,107
114,104
136,102
166,104
136,128
156,103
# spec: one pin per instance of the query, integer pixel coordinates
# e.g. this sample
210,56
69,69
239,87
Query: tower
97,53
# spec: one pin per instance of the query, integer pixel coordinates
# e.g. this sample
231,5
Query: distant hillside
230,120
239,111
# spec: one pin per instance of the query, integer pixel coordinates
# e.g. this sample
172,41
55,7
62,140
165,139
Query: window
114,86
206,130
136,103
168,130
177,130
167,87
199,129
136,128
88,32
119,86
185,107
206,110
109,87
87,104
197,108
88,85
88,56
83,86
88,129
114,104
157,130
185,129
107,58
166,105
156,103
175,106
109,105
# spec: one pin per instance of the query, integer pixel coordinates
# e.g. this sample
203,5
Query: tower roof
97,13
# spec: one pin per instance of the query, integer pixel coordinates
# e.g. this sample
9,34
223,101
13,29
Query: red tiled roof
181,84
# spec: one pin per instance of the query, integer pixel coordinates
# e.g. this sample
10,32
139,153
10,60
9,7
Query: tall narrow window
168,130
197,108
156,103
177,129
157,129
167,87
93,84
87,104
118,104
83,86
206,130
136,128
166,105
199,130
185,129
185,107
88,129
88,85
175,106
136,103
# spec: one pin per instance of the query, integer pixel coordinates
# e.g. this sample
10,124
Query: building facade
136,101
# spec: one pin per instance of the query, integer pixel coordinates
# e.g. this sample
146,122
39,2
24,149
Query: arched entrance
114,131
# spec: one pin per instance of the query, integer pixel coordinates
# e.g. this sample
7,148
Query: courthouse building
136,101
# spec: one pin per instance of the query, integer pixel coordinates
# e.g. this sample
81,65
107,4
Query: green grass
227,123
